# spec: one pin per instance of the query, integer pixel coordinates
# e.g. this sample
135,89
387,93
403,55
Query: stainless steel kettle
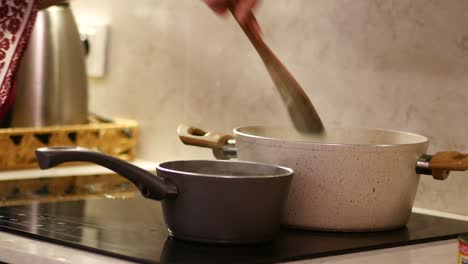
52,82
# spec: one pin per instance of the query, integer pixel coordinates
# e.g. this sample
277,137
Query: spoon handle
300,109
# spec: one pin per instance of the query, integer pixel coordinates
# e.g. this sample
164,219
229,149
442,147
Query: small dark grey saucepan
203,200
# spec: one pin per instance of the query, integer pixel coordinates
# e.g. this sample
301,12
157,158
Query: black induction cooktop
133,229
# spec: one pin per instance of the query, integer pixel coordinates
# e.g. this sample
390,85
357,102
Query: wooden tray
117,138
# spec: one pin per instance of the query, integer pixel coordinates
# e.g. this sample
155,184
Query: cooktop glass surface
133,229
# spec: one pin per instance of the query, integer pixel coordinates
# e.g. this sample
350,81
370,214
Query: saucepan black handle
150,185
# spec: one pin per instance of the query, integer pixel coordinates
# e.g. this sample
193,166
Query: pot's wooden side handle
443,162
194,136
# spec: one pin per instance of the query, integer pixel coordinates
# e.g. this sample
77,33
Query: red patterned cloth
16,22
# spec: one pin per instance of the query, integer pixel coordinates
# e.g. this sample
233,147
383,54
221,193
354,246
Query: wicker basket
117,138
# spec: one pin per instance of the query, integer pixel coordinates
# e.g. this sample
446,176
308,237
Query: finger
220,10
243,9
218,6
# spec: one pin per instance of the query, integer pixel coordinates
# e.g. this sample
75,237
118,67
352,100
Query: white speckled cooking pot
345,180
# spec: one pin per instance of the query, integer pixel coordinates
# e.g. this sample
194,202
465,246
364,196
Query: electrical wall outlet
94,39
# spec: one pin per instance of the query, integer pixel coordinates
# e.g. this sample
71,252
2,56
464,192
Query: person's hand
241,9
43,4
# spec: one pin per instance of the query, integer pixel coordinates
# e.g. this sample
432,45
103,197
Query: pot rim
423,139
286,172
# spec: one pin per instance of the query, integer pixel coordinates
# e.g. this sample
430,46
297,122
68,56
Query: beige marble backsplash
399,64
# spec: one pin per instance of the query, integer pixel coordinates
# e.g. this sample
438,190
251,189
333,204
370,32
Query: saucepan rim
286,172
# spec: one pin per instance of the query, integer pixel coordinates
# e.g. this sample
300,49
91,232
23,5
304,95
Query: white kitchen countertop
436,252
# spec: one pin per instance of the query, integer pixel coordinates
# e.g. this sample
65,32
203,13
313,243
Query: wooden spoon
300,109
